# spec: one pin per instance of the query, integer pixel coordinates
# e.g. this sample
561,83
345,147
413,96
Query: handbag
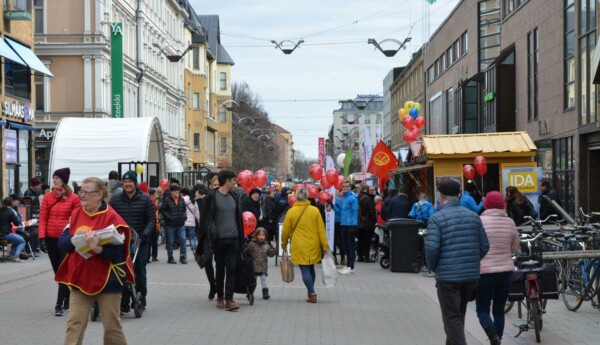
287,267
199,259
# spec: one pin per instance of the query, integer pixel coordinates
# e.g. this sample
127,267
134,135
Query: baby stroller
134,298
245,279
382,234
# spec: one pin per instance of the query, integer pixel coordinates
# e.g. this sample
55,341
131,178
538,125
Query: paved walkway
374,306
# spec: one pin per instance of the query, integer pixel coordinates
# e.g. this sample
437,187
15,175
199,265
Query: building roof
511,142
279,129
213,33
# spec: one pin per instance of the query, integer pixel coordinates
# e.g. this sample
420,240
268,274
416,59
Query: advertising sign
526,180
330,228
116,66
322,152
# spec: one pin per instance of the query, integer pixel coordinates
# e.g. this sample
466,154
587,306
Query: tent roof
512,142
94,147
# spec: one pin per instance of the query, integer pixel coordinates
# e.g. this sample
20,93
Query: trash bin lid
402,222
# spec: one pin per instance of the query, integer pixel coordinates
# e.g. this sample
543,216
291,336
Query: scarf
61,193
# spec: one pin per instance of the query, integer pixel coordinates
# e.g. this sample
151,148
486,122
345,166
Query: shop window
564,173
17,79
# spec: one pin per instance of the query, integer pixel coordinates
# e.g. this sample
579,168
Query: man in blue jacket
467,201
455,244
347,206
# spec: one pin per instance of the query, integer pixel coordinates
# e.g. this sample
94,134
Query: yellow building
18,95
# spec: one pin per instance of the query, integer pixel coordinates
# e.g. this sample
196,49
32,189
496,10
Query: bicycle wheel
572,287
536,318
508,306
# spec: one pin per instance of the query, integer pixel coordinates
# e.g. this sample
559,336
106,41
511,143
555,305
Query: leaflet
108,235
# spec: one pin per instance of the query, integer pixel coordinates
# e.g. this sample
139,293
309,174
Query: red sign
322,152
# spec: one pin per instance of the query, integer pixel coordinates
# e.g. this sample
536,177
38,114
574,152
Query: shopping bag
287,268
330,273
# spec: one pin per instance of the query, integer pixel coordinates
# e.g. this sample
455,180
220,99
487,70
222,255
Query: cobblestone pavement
374,306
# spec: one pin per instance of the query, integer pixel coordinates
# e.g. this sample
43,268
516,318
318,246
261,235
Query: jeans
190,233
18,243
308,277
493,288
337,240
364,242
227,253
56,256
453,298
139,269
349,240
173,231
153,243
207,253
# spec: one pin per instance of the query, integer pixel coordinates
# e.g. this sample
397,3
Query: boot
312,298
183,259
493,336
230,305
220,303
212,293
171,260
266,293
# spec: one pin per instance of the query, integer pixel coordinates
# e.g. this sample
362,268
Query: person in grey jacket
456,242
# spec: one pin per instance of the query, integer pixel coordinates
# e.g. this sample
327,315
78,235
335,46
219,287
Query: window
450,111
39,93
223,145
464,40
532,74
489,32
38,7
450,55
196,101
196,57
587,44
197,141
223,114
569,55
367,119
435,111
210,147
430,75
223,84
378,119
17,79
564,172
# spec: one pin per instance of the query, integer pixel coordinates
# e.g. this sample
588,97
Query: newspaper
108,235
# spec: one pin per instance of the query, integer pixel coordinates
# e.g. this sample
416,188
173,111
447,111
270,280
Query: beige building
285,154
21,73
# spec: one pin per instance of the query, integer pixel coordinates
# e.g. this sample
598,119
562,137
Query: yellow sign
381,158
526,182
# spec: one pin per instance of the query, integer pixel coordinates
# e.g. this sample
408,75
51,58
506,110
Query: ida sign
526,182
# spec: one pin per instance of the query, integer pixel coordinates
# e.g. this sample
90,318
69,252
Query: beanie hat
174,186
449,187
494,199
35,182
63,174
130,175
144,187
254,190
174,180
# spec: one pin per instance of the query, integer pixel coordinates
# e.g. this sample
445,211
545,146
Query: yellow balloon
401,113
139,169
417,105
408,105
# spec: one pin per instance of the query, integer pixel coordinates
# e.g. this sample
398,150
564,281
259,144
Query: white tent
94,147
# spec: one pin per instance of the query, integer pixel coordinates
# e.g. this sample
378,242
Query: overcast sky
300,91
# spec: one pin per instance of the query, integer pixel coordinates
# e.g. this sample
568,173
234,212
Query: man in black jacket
173,210
137,209
399,206
367,217
34,192
221,221
546,208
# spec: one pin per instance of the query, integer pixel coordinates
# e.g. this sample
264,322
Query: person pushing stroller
261,250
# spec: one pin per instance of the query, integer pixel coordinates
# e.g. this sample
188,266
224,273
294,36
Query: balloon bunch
409,116
247,180
480,168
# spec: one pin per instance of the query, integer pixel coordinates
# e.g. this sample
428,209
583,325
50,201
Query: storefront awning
13,125
410,168
7,52
29,57
483,143
173,164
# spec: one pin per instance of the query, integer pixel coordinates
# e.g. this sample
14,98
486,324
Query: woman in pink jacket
497,266
55,211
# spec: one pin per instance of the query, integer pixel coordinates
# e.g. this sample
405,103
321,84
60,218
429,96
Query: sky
301,90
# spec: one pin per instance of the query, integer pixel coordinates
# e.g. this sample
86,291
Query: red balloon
417,131
245,179
323,197
298,186
249,221
291,200
409,136
260,178
468,171
325,182
479,160
164,184
408,122
315,171
338,184
481,169
332,176
312,191
420,122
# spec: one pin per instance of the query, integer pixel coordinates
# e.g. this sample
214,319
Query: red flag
382,161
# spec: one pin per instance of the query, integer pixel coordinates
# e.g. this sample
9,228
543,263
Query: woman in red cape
101,277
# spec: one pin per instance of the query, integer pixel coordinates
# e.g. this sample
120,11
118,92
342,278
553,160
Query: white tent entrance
94,147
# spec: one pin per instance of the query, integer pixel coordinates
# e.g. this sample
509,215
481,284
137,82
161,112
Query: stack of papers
108,235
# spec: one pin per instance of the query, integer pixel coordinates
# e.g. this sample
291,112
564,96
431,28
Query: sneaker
24,256
14,258
58,311
342,270
171,260
183,259
347,271
220,303
230,305
154,258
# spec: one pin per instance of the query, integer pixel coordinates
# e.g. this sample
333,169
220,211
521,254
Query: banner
322,152
116,67
348,161
526,180
382,161
330,165
368,151
330,228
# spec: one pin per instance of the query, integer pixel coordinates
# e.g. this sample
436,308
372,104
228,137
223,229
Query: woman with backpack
518,206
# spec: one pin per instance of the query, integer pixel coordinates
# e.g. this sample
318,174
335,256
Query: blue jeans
173,231
349,239
190,233
493,288
18,243
308,277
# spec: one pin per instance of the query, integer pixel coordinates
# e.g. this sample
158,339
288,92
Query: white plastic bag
330,273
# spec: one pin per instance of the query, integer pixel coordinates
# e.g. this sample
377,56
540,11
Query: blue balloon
414,112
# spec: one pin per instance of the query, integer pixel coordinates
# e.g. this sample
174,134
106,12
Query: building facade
285,154
21,71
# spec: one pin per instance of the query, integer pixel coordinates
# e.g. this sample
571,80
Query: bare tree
302,165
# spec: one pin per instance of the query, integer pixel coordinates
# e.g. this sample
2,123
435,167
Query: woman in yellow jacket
303,227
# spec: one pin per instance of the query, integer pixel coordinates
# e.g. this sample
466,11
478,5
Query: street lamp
173,57
286,51
389,52
230,108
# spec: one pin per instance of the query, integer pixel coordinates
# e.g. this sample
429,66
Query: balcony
17,9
